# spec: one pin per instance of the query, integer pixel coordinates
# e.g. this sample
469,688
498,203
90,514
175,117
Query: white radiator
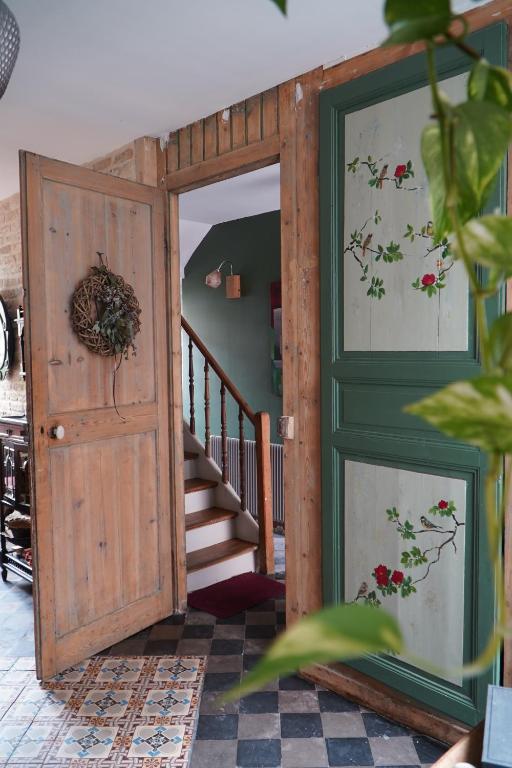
276,461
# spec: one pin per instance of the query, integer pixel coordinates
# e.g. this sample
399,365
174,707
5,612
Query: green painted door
402,504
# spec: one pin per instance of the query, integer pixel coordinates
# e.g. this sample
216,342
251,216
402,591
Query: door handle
57,432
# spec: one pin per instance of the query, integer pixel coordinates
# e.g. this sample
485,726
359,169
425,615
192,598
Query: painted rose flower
381,575
397,577
399,171
428,279
442,504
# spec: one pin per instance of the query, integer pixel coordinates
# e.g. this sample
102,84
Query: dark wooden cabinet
15,552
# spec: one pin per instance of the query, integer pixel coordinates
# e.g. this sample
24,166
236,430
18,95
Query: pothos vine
363,248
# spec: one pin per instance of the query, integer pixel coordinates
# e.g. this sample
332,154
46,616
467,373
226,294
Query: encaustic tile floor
100,722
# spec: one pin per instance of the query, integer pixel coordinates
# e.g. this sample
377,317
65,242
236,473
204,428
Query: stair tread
207,517
203,558
190,455
199,484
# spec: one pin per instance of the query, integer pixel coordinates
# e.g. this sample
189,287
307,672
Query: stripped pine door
102,527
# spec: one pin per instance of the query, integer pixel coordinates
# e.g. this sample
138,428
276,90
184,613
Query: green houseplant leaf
411,20
477,411
488,83
481,133
488,241
500,342
281,4
335,633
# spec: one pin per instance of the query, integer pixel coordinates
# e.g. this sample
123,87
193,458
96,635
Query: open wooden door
102,537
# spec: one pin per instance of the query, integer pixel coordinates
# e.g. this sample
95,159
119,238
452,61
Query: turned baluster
224,434
191,386
207,409
243,505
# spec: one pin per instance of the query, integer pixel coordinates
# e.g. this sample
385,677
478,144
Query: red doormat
229,597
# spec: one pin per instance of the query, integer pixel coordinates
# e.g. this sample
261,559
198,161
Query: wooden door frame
210,172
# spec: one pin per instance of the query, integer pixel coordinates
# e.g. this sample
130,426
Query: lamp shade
9,45
213,279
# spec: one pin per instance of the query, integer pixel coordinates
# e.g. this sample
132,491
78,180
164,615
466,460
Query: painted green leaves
477,411
413,558
334,634
419,20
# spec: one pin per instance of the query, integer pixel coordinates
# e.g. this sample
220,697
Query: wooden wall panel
270,113
184,146
247,122
253,118
197,141
173,154
224,131
238,132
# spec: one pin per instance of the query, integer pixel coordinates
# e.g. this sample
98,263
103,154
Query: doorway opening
232,374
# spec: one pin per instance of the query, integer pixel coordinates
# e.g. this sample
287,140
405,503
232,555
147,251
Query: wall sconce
214,280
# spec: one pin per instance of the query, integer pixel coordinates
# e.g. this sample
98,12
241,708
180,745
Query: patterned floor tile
105,703
36,702
178,670
10,737
169,702
120,670
87,741
34,744
73,674
157,741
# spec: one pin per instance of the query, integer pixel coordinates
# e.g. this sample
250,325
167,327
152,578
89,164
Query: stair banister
261,422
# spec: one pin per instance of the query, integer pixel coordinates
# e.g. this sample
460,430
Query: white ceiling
247,195
94,74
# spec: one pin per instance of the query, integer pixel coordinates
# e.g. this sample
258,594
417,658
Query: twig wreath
105,315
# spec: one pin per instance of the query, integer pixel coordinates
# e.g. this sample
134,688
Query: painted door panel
402,504
102,530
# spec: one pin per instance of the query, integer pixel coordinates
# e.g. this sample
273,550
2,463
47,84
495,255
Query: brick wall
12,389
120,162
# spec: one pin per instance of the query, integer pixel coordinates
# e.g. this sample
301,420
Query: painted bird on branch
428,525
366,243
382,176
363,590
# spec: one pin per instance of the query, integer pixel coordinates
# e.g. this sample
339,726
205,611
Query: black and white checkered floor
292,723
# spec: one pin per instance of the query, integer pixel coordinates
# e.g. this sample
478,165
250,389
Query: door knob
57,432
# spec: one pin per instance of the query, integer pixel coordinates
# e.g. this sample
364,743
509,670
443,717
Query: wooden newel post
264,480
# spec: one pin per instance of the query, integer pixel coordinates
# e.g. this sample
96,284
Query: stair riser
225,570
199,500
191,469
208,535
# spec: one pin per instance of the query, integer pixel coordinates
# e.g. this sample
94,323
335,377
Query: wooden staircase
222,538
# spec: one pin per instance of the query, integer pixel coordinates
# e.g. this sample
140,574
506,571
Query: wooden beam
298,115
146,160
377,58
370,693
234,163
179,564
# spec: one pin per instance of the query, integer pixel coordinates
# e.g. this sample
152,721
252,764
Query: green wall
237,332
